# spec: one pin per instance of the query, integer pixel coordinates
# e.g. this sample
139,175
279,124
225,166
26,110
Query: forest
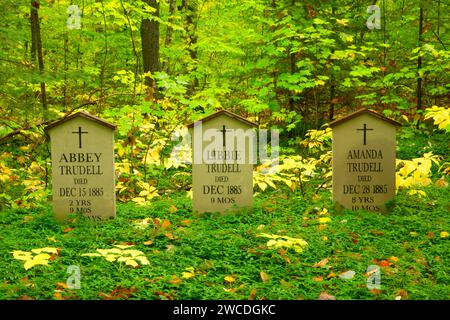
152,67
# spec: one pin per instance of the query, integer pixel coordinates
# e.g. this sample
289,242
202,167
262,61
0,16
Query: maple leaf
318,279
131,262
264,276
384,263
324,220
166,224
230,279
321,263
22,255
187,275
142,259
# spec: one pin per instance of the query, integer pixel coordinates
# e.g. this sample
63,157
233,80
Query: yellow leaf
148,243
142,259
230,279
342,22
264,276
22,255
133,253
28,264
187,275
324,220
444,234
131,262
111,257
393,259
52,239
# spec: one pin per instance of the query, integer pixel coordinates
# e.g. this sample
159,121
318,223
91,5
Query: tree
150,43
36,48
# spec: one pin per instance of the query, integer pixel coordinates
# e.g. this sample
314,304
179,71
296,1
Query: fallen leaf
331,275
393,259
186,222
444,234
430,235
252,294
321,263
347,274
376,232
169,236
384,263
260,227
58,296
187,275
324,219
175,280
148,243
375,291
230,279
264,276
326,296
61,285
173,209
318,279
67,230
166,224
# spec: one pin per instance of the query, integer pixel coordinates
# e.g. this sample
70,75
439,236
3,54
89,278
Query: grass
217,246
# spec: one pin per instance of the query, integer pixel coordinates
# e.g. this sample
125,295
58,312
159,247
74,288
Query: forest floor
213,256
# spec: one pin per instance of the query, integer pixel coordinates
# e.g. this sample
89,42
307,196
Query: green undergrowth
227,259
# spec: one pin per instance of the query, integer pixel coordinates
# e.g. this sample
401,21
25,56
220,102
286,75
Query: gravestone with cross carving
364,160
82,148
224,151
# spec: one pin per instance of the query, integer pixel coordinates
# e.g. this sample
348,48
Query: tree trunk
150,44
36,48
169,32
191,26
419,63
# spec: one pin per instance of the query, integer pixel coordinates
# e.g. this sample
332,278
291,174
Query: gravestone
224,151
82,148
364,160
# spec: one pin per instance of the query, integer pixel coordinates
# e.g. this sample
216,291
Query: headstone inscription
224,151
82,148
364,160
